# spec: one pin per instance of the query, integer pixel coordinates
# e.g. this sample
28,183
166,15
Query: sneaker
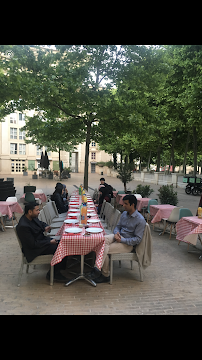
95,274
102,279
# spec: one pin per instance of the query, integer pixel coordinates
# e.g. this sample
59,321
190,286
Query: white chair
173,220
49,219
40,260
130,257
138,196
59,216
39,191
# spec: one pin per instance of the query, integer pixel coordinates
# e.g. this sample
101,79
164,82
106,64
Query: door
74,163
93,168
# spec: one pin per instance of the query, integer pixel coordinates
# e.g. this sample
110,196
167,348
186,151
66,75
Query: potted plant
50,175
35,176
25,173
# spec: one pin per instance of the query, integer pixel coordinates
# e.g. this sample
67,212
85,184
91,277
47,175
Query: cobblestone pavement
173,284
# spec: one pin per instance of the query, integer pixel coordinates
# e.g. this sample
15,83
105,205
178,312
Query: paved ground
173,284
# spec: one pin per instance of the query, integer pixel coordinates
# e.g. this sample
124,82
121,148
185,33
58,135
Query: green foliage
125,172
167,195
145,191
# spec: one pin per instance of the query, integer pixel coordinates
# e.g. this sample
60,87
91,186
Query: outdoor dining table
160,212
41,197
188,230
119,199
142,203
8,208
81,244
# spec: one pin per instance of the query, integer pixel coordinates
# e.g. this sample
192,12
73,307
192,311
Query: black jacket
59,203
31,234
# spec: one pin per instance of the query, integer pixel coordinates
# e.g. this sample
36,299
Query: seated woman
57,197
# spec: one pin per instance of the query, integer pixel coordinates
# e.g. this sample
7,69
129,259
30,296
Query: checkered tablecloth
80,244
188,230
160,212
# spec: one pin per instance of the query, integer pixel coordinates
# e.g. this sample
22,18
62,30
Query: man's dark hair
132,200
102,179
30,206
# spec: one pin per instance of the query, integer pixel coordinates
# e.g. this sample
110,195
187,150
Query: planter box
50,177
34,177
25,173
30,189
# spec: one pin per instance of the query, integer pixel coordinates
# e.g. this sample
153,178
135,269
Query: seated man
127,235
34,243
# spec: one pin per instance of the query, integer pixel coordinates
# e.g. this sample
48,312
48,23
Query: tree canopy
142,102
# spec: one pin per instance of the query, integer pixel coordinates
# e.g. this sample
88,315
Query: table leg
82,276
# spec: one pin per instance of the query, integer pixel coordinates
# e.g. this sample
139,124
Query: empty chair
138,196
102,209
173,220
185,213
151,202
12,199
49,219
39,191
59,216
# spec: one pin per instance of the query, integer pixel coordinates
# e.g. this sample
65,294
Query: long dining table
83,243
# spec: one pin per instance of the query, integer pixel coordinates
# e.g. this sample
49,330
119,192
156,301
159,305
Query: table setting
81,239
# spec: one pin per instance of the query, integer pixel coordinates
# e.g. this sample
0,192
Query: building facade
15,154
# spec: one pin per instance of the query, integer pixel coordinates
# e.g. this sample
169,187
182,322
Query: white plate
93,221
73,215
90,211
91,214
73,211
75,206
71,221
73,231
94,230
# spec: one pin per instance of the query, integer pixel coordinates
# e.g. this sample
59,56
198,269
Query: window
21,117
17,166
93,156
93,144
39,151
13,118
13,134
22,149
14,149
21,135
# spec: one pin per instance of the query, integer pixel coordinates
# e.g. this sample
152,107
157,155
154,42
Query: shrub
145,191
167,195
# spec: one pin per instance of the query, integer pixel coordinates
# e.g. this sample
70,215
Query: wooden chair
40,260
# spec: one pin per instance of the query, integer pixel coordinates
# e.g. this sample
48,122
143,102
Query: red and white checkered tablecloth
80,244
188,230
160,212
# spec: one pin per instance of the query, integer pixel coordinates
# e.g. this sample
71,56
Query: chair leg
111,271
3,225
171,229
141,274
27,269
131,265
119,264
20,274
52,276
165,229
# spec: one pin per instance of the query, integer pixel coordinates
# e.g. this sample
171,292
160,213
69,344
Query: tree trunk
195,149
88,138
158,159
185,155
60,165
125,188
149,161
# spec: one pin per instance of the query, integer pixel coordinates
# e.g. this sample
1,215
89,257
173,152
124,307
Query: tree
66,83
125,172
